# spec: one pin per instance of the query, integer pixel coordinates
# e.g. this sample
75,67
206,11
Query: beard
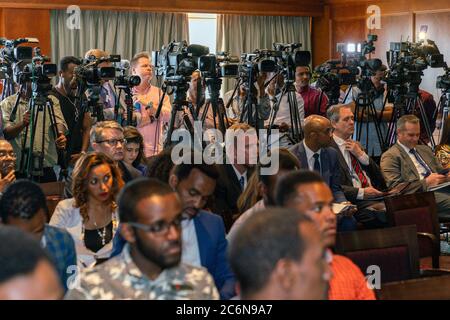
158,258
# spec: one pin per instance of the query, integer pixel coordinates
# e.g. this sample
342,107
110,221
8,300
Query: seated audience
203,233
361,178
406,161
278,255
7,165
316,154
442,151
149,266
266,186
134,149
91,215
24,206
305,191
26,272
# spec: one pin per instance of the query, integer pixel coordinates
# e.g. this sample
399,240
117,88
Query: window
202,30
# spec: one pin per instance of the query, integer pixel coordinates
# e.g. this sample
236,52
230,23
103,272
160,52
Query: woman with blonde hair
91,215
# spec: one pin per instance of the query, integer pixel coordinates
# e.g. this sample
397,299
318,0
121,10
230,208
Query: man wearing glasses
306,192
315,154
149,267
7,165
107,137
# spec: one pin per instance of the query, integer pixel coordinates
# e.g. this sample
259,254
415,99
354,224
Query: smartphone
6,168
444,171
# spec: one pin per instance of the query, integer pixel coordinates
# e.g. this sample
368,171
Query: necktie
421,162
359,171
242,182
317,163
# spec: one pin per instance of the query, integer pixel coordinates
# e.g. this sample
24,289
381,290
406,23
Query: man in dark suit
240,158
315,154
406,161
361,178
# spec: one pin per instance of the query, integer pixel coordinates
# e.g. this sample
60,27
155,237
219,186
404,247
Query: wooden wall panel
251,7
393,29
347,31
19,23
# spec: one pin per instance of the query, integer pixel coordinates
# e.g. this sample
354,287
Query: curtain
244,34
124,33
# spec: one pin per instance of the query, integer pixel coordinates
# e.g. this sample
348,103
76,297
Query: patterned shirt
120,278
60,246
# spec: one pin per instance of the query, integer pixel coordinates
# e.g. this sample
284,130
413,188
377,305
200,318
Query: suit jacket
212,246
397,167
228,190
372,170
329,165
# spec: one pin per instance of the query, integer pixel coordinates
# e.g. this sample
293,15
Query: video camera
91,74
122,80
178,60
221,65
407,61
11,54
443,81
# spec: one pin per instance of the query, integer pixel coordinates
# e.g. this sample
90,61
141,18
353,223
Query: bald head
315,123
318,132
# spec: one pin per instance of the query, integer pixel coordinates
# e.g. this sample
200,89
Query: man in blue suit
203,233
315,154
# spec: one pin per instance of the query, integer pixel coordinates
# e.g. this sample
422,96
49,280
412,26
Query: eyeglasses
114,142
160,227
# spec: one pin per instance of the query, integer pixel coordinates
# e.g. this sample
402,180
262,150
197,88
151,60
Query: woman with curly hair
91,215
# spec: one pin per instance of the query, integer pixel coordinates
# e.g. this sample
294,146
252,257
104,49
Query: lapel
232,178
202,239
325,164
302,156
343,164
408,164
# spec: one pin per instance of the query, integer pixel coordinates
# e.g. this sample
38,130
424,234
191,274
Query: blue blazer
330,168
212,245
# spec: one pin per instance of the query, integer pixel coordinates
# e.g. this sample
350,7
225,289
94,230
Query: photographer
79,125
15,131
108,96
146,99
258,93
283,117
378,94
312,97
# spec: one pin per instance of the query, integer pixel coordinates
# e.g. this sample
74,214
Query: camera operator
374,148
78,125
311,96
146,98
262,101
15,131
108,96
283,116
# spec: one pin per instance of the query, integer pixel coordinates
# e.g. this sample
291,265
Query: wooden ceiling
243,7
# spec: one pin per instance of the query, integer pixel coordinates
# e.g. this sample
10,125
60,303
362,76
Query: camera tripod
407,102
365,111
443,110
220,118
31,160
296,132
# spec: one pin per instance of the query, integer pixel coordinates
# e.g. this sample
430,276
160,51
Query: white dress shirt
420,169
190,251
363,159
239,175
310,157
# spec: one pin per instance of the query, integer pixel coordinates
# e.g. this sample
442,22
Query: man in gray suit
406,161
